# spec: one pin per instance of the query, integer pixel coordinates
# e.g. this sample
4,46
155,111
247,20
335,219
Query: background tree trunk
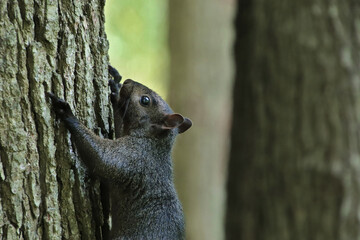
200,36
295,156
57,46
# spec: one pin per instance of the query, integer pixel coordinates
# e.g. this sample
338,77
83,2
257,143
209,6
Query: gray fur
138,164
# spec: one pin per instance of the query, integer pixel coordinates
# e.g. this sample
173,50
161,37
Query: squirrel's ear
175,120
172,121
185,125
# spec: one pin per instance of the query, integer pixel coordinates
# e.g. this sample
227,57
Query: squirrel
138,163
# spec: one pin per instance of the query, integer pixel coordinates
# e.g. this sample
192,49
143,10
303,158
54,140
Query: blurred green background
182,50
291,77
137,33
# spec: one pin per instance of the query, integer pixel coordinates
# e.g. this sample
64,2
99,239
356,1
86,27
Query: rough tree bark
59,46
200,86
295,157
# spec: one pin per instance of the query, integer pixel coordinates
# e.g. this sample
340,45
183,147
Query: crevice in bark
22,228
77,198
96,212
98,107
5,231
4,189
3,157
10,11
22,7
64,164
6,193
29,200
94,46
76,69
60,64
42,158
59,58
18,74
59,42
37,23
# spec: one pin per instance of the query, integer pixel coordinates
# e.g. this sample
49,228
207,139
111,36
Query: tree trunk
295,156
200,86
57,46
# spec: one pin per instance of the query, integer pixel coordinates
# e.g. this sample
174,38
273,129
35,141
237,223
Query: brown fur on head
145,113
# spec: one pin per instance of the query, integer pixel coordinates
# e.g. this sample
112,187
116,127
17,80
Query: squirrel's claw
60,106
114,84
115,74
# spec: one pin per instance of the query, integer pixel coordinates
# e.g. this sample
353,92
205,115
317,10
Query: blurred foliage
137,34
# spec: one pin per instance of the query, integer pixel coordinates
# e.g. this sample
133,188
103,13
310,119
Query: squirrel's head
144,112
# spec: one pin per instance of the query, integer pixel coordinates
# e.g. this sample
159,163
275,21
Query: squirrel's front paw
114,84
115,89
61,108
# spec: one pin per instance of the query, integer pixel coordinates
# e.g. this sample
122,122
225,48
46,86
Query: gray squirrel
137,163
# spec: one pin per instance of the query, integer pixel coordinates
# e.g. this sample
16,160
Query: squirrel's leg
115,85
97,153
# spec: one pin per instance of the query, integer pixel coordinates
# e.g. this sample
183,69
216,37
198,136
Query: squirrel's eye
145,100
